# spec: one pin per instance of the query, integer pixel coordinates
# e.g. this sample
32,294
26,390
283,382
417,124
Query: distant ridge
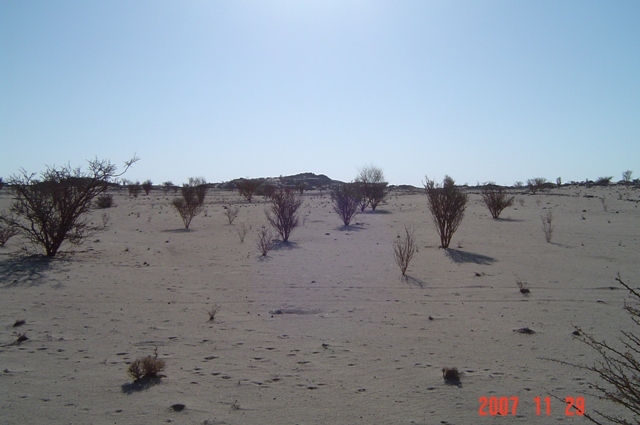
309,180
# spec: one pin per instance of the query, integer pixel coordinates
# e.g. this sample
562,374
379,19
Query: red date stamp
505,406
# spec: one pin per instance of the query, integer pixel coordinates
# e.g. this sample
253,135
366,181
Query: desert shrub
496,199
231,212
242,232
547,227
618,368
213,311
345,202
1,183
404,247
247,187
370,181
51,210
283,212
146,367
104,201
603,181
200,186
6,233
265,241
518,185
167,186
626,178
536,184
147,186
559,182
266,190
300,187
134,189
189,205
447,204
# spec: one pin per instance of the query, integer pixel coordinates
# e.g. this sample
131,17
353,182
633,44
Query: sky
482,90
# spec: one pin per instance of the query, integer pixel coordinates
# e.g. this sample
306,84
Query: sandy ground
356,344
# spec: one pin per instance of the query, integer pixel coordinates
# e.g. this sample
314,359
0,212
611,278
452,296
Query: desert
323,329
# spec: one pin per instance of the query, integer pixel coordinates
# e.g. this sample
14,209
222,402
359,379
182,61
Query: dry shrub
265,241
447,204
6,233
134,189
147,186
191,202
404,248
242,232
231,212
345,202
451,375
104,201
547,227
371,185
213,311
536,184
146,367
166,186
52,210
247,187
496,199
283,212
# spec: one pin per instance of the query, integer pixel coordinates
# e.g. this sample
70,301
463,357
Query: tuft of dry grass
404,247
231,212
213,311
146,367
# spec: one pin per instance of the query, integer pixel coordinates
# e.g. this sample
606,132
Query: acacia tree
147,185
51,210
283,212
247,187
447,204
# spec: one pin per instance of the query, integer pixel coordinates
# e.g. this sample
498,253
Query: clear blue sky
480,90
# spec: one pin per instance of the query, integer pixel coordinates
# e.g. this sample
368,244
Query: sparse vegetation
191,202
451,375
247,187
213,311
242,232
104,201
496,199
404,247
536,184
345,202
147,186
547,226
134,189
603,181
626,178
146,367
6,233
231,212
51,210
167,186
283,212
265,241
373,189
522,285
447,204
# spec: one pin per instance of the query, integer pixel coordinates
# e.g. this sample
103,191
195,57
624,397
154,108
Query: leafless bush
447,204
189,205
518,185
603,181
146,367
104,201
283,212
52,210
605,205
265,241
558,182
247,187
536,184
201,188
626,177
345,202
404,247
231,212
242,232
6,233
373,188
167,186
496,199
213,311
134,189
547,227
147,186
1,183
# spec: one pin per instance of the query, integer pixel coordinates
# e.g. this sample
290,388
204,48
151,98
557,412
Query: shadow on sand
458,256
350,228
27,271
413,281
140,384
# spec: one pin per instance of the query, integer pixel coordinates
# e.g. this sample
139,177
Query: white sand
365,352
